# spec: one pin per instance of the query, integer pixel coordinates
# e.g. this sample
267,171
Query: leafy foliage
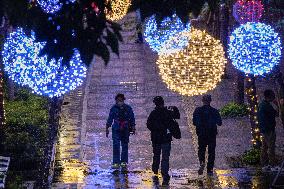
16,183
27,109
252,156
75,26
25,131
166,8
232,110
78,26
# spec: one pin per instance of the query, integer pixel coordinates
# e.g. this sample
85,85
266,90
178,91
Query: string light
157,36
196,69
52,6
255,48
119,9
25,67
250,91
247,11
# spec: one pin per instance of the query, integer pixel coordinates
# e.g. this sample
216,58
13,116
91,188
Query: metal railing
276,178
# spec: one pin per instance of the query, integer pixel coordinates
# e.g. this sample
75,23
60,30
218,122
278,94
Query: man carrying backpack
159,123
206,119
121,119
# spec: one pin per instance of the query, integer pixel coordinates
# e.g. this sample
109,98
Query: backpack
122,119
174,126
174,129
174,111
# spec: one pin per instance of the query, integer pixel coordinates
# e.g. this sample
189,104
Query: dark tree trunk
240,91
224,30
253,108
2,114
46,165
11,90
280,83
224,25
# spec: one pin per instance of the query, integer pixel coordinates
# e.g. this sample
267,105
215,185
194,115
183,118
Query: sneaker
123,165
201,169
115,166
155,179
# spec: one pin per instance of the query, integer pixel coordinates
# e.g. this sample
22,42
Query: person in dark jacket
158,123
121,119
206,119
267,112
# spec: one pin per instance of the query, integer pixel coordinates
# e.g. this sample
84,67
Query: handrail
273,185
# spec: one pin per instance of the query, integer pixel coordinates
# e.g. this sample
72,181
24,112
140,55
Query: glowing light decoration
255,48
52,6
158,36
119,9
196,69
25,67
248,11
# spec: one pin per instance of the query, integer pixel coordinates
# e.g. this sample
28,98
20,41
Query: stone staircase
135,74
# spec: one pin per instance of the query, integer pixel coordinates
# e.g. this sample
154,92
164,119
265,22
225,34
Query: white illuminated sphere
197,69
52,6
26,67
255,48
157,36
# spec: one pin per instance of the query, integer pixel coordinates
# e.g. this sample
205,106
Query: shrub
252,156
232,110
25,132
27,109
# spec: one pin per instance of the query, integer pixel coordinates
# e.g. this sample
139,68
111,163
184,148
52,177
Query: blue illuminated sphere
158,36
26,67
52,6
255,48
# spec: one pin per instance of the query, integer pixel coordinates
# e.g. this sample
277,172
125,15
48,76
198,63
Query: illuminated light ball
248,11
119,9
25,67
65,79
255,48
197,69
52,6
157,36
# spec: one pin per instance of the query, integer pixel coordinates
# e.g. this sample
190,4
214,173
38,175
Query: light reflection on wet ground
84,154
109,179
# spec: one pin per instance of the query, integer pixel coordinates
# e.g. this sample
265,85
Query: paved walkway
83,147
84,154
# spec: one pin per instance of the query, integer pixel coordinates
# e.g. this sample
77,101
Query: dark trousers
203,142
165,149
120,146
268,149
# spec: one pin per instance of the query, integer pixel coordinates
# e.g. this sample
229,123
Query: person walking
122,120
267,112
206,118
158,123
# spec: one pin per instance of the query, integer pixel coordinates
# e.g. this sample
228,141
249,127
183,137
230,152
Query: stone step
92,117
108,70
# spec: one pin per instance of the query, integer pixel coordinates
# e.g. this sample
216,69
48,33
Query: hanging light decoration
26,67
196,69
255,48
248,11
119,9
157,36
52,6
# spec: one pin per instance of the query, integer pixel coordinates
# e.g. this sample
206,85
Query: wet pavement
84,154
